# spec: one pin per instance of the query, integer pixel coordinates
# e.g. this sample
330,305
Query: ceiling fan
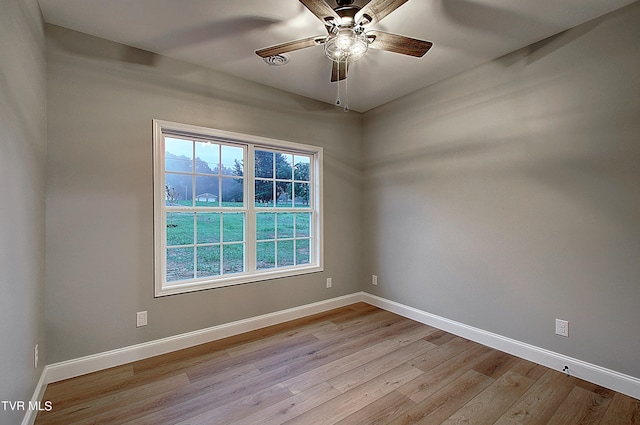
348,38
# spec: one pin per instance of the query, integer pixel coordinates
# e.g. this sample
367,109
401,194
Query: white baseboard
607,378
76,367
64,370
38,393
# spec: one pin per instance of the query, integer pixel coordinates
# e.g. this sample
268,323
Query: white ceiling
224,34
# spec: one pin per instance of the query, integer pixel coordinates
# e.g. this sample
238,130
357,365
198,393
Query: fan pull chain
346,89
338,99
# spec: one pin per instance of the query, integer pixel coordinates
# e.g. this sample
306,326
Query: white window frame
251,143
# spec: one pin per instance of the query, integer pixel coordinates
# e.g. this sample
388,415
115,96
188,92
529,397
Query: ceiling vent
277,60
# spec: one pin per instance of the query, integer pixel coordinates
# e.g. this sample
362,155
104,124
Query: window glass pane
301,169
303,225
265,226
238,168
264,193
207,158
208,227
178,189
285,225
266,255
178,155
284,168
233,261
303,255
231,154
285,198
179,228
179,264
232,192
301,191
208,261
264,164
207,191
233,227
285,253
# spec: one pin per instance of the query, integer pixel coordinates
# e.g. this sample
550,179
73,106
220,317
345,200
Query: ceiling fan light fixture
346,45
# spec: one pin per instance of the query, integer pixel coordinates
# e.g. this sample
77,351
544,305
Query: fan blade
339,72
322,10
290,46
375,10
398,43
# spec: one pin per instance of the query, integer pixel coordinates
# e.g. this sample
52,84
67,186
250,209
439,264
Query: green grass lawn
215,242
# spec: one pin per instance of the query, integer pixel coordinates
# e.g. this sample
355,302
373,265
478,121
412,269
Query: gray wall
503,198
102,97
509,195
22,197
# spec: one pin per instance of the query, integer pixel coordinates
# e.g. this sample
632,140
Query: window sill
232,280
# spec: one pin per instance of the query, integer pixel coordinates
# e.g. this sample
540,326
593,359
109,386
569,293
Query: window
232,208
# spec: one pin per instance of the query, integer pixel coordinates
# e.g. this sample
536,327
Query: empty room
320,212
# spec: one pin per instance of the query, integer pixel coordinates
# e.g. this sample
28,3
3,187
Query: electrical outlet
141,319
562,328
374,279
35,357
329,282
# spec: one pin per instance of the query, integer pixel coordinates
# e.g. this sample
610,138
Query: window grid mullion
295,242
222,245
251,245
220,240
277,244
195,245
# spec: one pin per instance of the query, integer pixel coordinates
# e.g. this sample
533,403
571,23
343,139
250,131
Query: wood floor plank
200,396
493,401
439,376
442,404
529,369
293,363
229,343
442,353
372,320
86,409
279,337
541,401
383,363
322,322
386,369
292,407
581,407
622,410
351,361
595,388
68,391
326,351
439,337
267,354
209,375
381,411
496,364
350,402
182,358
231,411
359,309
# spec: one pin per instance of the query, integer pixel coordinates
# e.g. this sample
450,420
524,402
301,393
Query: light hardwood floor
354,365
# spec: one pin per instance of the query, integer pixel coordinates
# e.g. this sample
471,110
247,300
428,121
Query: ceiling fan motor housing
347,15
